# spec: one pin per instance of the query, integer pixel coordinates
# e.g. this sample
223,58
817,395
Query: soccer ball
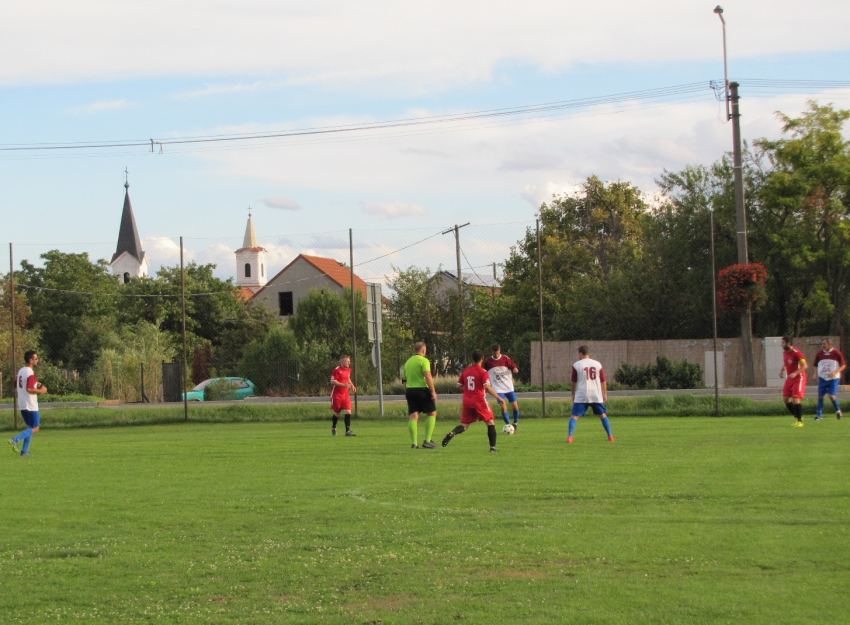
508,429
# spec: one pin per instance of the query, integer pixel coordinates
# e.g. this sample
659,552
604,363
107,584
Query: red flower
741,287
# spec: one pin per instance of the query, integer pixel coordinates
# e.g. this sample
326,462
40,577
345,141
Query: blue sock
820,407
507,418
26,446
573,424
25,435
607,425
835,403
516,415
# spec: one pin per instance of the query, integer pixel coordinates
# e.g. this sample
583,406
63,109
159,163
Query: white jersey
588,376
26,379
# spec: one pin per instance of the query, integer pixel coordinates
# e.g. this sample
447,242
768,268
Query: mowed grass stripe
694,520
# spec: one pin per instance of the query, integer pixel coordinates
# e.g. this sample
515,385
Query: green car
216,389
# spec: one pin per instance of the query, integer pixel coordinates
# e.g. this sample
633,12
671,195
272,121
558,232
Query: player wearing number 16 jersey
589,390
475,384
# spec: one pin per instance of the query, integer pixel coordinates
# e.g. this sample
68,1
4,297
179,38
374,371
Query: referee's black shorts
420,400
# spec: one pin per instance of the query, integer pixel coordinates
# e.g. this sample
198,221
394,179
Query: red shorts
340,403
477,412
795,387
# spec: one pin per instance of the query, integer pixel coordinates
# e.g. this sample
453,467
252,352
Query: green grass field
697,520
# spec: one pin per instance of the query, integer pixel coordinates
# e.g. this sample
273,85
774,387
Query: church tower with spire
129,260
251,265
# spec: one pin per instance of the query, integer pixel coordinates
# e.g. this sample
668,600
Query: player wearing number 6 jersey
475,384
589,390
830,363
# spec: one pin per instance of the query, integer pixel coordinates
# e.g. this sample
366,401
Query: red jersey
828,362
343,376
473,380
792,357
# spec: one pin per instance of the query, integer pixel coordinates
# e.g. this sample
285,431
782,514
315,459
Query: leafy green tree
325,317
807,197
73,306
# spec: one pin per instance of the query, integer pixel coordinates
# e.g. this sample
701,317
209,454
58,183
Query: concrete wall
558,357
299,278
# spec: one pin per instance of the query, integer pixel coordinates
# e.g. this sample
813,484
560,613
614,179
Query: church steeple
129,260
250,239
251,260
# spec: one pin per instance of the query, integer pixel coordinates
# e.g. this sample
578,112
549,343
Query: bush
221,390
664,374
635,376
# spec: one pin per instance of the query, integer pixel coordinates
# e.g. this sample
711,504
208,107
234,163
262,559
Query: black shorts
419,400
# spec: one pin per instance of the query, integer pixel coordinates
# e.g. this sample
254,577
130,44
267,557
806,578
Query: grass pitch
697,520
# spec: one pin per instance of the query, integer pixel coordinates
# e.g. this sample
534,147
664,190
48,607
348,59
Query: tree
73,306
807,194
325,317
25,337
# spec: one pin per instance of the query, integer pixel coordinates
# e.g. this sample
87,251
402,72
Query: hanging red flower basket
741,287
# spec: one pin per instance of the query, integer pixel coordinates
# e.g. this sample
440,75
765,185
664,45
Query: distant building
251,263
129,260
446,282
283,292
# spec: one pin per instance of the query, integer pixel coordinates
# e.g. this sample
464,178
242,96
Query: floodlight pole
732,100
456,230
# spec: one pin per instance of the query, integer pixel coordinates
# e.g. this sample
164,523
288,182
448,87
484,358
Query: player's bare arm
605,390
430,380
40,389
501,401
802,366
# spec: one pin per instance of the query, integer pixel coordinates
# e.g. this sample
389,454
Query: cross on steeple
126,176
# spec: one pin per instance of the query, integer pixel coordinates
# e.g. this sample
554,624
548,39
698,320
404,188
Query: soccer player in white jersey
28,387
501,368
589,390
830,363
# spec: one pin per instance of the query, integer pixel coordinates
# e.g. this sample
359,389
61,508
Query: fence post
14,345
183,330
540,295
353,317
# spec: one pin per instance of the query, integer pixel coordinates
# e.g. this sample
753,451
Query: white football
508,429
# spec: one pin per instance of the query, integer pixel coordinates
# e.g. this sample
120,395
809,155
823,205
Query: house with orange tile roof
282,293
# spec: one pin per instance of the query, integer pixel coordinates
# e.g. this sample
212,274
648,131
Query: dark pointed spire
128,235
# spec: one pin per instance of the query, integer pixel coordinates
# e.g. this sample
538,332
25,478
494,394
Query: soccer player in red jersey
475,383
794,371
341,394
829,363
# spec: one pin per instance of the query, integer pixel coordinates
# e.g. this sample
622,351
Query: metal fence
228,307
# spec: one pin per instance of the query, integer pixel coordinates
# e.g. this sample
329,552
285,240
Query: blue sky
99,70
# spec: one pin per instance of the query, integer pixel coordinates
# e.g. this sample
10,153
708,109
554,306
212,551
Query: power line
674,91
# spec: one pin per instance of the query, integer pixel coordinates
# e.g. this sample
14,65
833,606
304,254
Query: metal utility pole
540,302
353,316
456,230
14,345
714,314
733,114
183,332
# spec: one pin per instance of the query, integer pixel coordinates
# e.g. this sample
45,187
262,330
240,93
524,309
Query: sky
101,71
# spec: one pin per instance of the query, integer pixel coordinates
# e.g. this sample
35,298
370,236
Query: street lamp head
718,9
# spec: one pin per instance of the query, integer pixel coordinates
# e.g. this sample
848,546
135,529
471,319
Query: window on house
247,270
285,300
262,270
126,277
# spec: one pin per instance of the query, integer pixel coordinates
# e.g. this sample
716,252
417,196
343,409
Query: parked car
221,388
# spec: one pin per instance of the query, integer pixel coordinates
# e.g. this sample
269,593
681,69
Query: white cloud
282,202
342,42
393,210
